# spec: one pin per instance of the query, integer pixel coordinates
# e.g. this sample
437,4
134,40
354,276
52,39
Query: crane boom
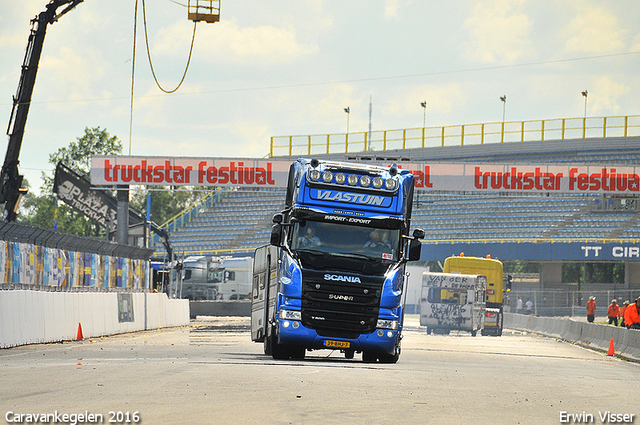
10,178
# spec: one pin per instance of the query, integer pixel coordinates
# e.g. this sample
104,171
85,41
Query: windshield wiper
312,251
352,254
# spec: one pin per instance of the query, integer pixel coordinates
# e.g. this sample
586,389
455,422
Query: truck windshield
333,238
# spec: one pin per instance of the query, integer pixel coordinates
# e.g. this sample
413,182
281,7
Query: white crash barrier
29,317
626,342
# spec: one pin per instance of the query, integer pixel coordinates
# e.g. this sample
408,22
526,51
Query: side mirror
415,249
277,218
276,234
418,234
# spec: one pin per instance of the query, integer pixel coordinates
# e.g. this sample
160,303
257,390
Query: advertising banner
97,205
536,251
580,179
76,192
156,171
239,172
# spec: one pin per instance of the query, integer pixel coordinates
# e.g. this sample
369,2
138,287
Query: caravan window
447,296
256,279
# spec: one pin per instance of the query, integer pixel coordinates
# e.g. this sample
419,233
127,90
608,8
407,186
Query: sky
286,67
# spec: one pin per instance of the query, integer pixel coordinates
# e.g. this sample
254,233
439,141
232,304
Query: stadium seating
242,219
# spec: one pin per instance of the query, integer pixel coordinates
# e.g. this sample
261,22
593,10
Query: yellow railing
453,135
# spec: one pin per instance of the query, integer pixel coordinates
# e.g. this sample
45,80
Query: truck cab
337,276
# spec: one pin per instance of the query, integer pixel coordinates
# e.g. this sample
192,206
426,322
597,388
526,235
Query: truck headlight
290,315
365,181
390,184
387,324
377,182
314,175
340,178
327,176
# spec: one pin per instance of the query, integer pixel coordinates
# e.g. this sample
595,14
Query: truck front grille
340,308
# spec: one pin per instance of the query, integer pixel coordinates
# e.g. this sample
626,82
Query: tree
519,266
42,210
77,155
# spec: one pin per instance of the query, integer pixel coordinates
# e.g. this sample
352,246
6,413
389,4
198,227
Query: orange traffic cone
612,351
80,337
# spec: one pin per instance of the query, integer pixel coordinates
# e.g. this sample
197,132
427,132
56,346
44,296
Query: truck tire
391,358
267,345
297,353
280,351
369,357
277,351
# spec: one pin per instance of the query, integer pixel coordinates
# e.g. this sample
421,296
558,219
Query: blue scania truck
334,274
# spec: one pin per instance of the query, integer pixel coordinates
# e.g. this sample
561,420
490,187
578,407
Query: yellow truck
497,285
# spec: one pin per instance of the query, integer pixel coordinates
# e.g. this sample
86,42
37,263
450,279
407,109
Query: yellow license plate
337,344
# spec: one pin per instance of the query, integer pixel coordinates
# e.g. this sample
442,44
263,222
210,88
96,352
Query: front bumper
291,332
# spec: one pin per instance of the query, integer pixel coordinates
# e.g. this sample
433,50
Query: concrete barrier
626,342
29,317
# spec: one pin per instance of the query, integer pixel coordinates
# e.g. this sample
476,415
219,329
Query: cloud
71,76
499,31
228,42
254,136
439,98
334,101
635,46
593,30
391,9
604,97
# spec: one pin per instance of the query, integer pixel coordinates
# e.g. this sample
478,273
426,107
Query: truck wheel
348,354
297,353
280,351
474,333
428,330
277,351
390,358
369,357
267,345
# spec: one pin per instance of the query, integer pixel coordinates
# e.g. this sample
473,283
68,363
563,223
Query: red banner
155,171
475,177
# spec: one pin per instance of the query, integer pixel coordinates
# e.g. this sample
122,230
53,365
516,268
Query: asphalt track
211,373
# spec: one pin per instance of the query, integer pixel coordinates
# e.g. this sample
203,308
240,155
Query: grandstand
241,220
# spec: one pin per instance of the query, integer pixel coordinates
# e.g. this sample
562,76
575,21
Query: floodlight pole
504,106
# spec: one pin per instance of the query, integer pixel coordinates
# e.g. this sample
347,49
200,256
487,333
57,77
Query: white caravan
452,301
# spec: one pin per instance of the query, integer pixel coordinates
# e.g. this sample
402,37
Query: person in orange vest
591,309
622,310
613,312
632,315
